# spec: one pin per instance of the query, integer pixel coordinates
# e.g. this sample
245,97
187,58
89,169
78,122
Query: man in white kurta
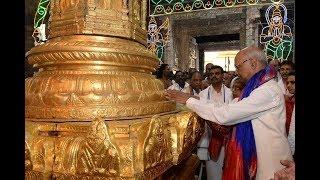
265,108
179,83
218,94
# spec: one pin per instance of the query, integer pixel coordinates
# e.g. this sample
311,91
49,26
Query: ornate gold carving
33,175
104,4
93,154
27,157
103,17
68,4
129,110
29,173
88,50
157,144
70,84
85,89
137,10
186,129
136,148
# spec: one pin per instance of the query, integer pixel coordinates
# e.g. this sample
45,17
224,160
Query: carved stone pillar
193,54
252,34
183,50
169,53
94,110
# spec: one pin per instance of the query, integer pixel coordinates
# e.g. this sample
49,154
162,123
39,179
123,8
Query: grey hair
259,55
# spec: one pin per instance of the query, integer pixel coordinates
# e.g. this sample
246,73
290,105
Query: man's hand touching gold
178,96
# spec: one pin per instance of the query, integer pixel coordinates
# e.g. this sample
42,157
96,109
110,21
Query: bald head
253,52
249,61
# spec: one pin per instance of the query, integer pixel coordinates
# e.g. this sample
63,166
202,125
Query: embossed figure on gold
156,145
94,154
68,4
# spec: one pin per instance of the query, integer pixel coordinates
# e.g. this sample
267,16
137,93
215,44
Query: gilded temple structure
94,110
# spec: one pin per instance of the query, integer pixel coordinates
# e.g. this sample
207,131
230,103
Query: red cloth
218,139
289,101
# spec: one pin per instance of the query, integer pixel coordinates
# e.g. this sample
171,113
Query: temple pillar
252,26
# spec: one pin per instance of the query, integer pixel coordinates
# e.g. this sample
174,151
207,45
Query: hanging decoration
277,36
158,37
163,7
39,34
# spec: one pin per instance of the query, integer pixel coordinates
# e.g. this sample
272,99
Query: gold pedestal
141,148
94,111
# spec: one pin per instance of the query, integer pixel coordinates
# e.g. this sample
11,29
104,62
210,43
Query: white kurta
192,91
281,83
266,108
210,95
175,86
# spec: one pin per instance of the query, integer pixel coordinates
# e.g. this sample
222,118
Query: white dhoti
213,168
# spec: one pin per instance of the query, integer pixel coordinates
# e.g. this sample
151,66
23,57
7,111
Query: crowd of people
249,113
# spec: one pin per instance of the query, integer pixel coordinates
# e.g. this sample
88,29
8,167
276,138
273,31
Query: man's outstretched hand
178,96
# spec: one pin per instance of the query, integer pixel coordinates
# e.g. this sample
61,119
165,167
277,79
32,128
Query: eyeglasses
239,65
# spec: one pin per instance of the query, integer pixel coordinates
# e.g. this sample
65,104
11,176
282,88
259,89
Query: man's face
285,70
236,89
226,79
208,67
185,75
195,82
291,84
192,70
215,76
242,66
166,71
179,77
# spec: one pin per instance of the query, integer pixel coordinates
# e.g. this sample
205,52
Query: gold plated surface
121,18
138,149
91,76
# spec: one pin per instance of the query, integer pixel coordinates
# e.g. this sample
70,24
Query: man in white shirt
195,83
218,94
264,108
179,83
206,81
